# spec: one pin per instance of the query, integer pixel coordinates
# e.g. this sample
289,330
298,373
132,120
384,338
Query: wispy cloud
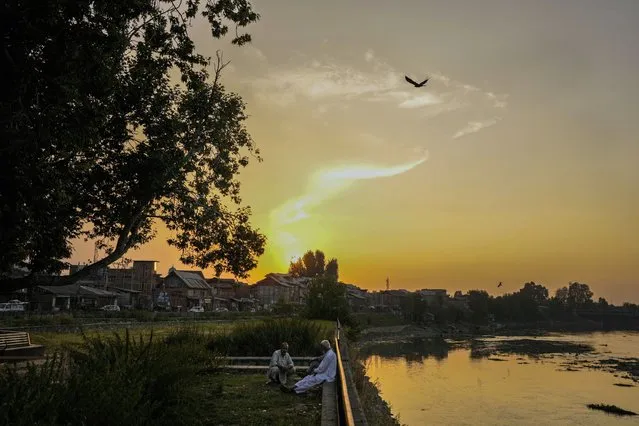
369,55
475,126
328,183
324,185
321,80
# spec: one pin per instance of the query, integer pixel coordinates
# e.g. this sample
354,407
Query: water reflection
416,350
434,381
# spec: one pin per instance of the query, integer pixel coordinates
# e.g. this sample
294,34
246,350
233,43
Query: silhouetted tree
332,269
561,296
320,263
99,142
478,302
313,264
535,292
327,300
579,294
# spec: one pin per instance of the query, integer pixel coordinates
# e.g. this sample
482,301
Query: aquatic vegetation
612,409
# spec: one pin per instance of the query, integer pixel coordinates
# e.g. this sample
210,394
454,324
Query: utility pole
387,284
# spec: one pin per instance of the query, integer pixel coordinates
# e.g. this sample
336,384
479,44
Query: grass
158,375
117,379
247,400
62,340
262,337
79,317
612,409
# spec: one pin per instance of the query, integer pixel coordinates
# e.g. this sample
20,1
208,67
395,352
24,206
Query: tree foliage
327,300
313,264
576,295
111,122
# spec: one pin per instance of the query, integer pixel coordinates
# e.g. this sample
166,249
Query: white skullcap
326,344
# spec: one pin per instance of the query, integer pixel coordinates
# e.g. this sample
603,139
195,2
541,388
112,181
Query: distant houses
187,289
281,288
142,287
77,296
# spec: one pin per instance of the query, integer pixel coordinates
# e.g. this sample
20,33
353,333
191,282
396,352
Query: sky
516,162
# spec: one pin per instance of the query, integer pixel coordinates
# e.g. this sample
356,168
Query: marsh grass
611,409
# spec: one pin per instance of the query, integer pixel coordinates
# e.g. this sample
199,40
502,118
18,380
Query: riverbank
398,330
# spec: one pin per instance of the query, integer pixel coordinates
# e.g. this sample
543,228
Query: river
523,380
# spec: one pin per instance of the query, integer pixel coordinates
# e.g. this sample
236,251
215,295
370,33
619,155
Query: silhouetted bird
499,285
414,83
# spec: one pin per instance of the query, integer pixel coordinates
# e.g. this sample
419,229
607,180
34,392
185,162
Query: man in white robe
325,372
281,365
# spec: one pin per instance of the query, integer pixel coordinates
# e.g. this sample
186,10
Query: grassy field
58,340
248,400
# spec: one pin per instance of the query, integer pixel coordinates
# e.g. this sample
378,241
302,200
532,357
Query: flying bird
499,285
414,83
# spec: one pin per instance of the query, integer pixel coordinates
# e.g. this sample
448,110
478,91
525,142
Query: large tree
111,122
313,264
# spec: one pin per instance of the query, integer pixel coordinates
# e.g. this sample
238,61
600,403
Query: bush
112,380
262,338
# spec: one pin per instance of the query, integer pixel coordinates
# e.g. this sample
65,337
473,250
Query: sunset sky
516,162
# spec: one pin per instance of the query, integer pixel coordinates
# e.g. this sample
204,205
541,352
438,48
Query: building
73,296
434,297
391,299
223,287
357,297
281,288
186,289
127,298
141,277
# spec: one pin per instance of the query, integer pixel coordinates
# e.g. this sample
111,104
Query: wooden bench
15,346
260,363
16,339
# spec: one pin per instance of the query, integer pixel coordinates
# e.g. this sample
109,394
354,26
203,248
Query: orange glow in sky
528,123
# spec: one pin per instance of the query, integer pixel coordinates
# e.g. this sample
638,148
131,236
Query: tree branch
219,65
121,247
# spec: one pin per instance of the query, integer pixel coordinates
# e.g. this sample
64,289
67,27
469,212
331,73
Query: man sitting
325,372
281,365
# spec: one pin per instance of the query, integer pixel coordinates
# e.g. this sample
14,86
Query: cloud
321,80
475,126
328,183
420,101
253,53
327,82
369,55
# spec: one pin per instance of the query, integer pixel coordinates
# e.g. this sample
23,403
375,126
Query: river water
448,382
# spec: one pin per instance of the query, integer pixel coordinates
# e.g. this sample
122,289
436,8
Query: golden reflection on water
458,390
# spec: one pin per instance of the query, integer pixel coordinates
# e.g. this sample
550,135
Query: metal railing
344,409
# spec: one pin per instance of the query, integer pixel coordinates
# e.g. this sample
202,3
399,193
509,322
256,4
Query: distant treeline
531,303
